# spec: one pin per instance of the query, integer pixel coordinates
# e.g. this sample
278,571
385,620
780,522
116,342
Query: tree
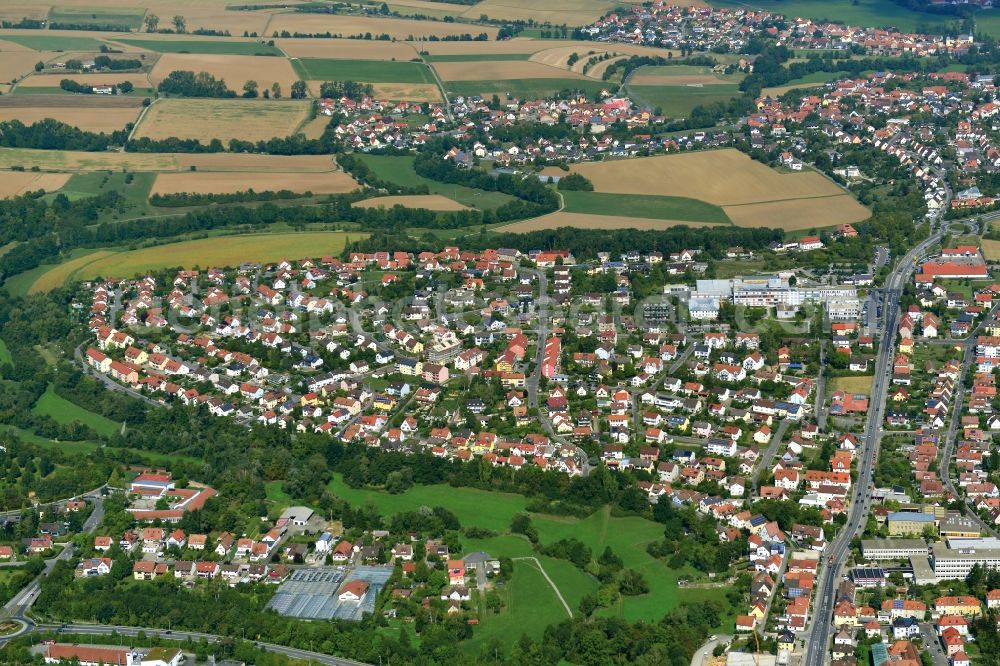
633,583
39,66
126,86
276,90
180,25
250,89
299,90
152,22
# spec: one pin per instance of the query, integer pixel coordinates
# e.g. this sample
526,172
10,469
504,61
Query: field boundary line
810,198
142,116
546,575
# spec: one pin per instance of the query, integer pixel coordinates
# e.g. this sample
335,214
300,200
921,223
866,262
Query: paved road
820,411
705,651
838,550
104,630
765,460
932,645
947,452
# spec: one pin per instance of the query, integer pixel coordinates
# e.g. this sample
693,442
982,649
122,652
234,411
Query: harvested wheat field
20,10
346,49
80,113
722,177
314,128
52,80
499,70
798,214
333,182
223,119
560,12
585,221
13,183
15,64
359,25
234,69
428,201
432,6
254,163
407,92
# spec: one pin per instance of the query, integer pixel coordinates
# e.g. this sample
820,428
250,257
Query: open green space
55,42
275,493
468,504
399,170
134,187
646,206
368,71
476,57
679,101
18,285
876,13
220,46
628,537
5,356
63,411
524,88
128,19
83,447
530,605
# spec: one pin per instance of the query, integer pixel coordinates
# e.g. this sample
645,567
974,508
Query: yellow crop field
799,214
496,70
407,92
333,182
17,63
991,249
13,183
358,25
560,12
721,177
586,221
346,49
52,80
75,161
65,272
218,252
428,201
95,113
235,70
223,119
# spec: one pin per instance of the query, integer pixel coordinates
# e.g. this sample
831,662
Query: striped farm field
204,252
750,194
94,113
428,201
333,182
82,161
400,29
587,221
235,70
223,119
13,183
346,49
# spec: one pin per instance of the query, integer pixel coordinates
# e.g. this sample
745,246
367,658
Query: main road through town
818,645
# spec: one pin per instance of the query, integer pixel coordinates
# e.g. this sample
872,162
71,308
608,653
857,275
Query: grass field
81,448
523,88
627,537
807,81
368,71
64,411
852,384
223,119
679,101
54,42
204,46
129,19
646,206
466,503
5,356
219,251
64,272
399,170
